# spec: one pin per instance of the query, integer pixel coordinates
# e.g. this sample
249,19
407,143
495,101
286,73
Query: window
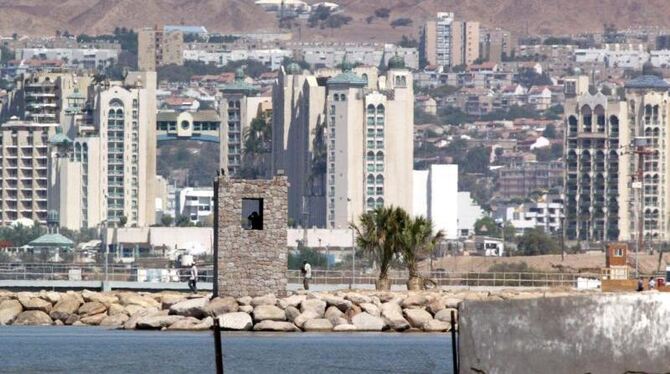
618,252
252,214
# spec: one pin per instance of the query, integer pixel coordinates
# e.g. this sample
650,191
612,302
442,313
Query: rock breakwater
428,311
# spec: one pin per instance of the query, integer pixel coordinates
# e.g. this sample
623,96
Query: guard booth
616,260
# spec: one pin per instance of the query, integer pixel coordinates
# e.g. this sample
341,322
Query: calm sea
97,350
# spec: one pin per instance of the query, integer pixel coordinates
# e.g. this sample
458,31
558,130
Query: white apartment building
631,57
435,196
195,203
545,214
448,42
331,55
87,58
469,212
25,169
271,58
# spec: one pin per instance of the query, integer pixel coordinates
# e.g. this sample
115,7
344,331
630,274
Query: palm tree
417,239
257,145
378,235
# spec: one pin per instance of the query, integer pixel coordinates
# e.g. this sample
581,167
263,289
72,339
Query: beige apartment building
25,171
445,41
495,44
107,173
156,47
605,198
332,130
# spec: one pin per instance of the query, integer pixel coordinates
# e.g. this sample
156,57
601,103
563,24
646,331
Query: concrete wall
583,334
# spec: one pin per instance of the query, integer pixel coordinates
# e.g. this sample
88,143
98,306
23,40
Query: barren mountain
36,17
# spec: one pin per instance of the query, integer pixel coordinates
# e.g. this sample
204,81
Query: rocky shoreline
428,311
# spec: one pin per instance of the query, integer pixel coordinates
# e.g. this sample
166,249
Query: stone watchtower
251,255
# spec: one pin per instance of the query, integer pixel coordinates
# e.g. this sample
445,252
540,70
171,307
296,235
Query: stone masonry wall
252,262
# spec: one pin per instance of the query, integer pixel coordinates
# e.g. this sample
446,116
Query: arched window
365,77
587,118
371,156
380,156
600,118
380,109
371,202
371,179
572,125
371,109
380,202
380,180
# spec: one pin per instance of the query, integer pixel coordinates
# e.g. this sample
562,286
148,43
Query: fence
132,273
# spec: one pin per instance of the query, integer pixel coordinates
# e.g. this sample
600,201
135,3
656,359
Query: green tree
476,160
536,242
487,226
549,131
315,258
183,221
417,239
378,235
166,220
382,12
123,220
401,22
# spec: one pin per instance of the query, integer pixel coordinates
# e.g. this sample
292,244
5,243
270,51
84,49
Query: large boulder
132,309
436,305
392,314
91,308
32,318
344,327
50,296
93,320
129,298
246,309
244,300
366,322
291,313
268,312
333,314
9,310
34,303
414,301
370,308
293,300
114,320
451,302
72,319
169,299
131,323
315,305
357,298
268,299
268,325
190,308
115,309
444,315
318,324
417,317
67,306
190,324
304,317
157,321
221,305
436,326
105,298
337,302
238,321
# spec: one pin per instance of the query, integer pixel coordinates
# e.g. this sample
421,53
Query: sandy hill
535,16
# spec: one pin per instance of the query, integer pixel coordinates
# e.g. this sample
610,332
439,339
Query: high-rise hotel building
605,196
344,140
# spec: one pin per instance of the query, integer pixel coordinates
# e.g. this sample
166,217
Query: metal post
454,343
217,346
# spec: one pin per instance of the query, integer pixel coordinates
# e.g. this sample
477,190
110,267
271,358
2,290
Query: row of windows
197,126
